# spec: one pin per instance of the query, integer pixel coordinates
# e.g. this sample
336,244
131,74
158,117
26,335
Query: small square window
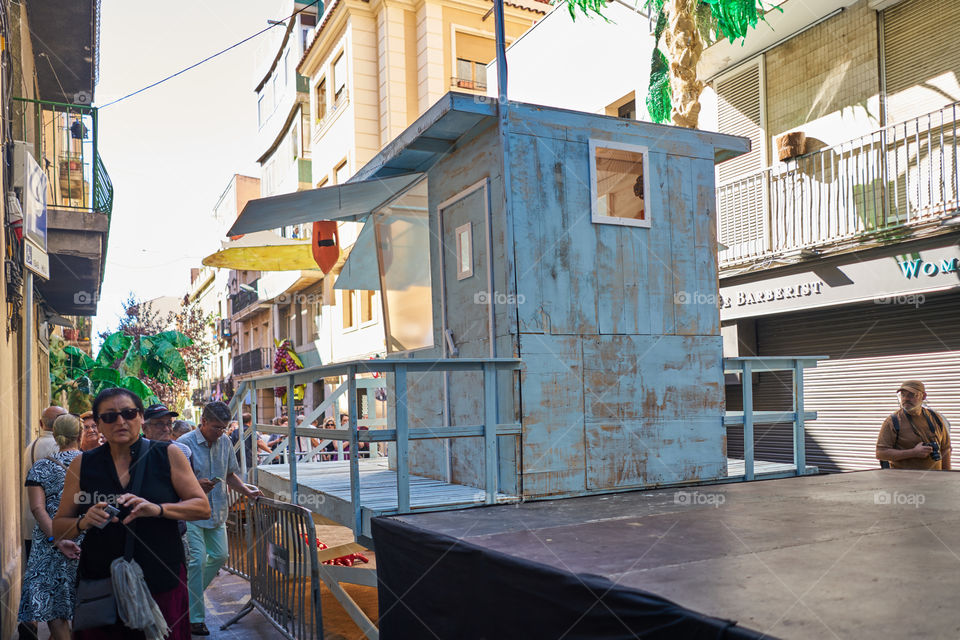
464,237
620,184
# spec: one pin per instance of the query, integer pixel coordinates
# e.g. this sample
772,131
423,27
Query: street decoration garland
285,361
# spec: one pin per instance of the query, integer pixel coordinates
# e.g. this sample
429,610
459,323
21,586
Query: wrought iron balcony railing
853,192
65,144
253,360
244,298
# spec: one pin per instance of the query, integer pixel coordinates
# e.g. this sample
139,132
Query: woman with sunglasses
169,492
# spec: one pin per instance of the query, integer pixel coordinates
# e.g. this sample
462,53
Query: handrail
401,433
901,174
746,366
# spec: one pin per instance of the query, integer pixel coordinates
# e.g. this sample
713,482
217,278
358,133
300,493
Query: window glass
341,174
348,321
321,95
619,189
403,249
366,306
339,75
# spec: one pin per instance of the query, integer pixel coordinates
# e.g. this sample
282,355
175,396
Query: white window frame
595,216
458,233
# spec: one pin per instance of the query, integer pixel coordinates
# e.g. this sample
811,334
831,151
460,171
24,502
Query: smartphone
111,511
215,480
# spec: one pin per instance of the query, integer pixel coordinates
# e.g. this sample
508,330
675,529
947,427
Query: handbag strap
139,465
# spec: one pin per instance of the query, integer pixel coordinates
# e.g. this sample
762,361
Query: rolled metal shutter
920,55
872,349
740,207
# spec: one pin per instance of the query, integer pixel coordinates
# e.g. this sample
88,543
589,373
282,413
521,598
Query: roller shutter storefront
872,349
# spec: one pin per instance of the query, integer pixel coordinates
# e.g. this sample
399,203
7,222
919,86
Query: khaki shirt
909,439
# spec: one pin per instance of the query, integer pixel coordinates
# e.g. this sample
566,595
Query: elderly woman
169,492
48,594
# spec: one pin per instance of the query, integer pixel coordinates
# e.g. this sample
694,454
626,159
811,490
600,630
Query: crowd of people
84,496
90,478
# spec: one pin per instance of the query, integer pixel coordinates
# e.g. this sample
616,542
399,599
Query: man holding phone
214,463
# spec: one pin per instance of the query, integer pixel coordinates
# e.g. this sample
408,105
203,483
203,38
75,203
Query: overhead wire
211,57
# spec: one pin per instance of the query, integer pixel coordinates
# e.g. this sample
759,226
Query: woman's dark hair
113,392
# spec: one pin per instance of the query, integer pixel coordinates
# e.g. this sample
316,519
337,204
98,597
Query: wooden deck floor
324,488
764,470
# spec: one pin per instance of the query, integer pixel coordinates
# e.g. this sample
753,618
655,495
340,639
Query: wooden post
490,431
253,432
354,458
747,380
292,441
403,442
799,442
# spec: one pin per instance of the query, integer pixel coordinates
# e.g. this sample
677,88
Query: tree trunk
684,48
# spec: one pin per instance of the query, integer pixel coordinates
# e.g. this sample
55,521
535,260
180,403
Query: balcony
245,297
897,182
253,361
468,83
63,139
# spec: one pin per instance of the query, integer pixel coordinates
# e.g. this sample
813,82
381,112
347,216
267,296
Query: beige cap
86,414
913,385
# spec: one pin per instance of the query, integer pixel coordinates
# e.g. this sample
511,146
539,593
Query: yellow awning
291,257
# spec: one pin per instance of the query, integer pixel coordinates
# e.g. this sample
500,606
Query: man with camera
915,437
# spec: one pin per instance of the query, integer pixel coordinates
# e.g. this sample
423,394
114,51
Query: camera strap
933,431
140,463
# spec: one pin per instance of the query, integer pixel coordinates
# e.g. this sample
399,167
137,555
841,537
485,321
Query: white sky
170,151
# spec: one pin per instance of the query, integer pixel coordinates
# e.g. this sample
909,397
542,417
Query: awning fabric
361,270
349,201
296,257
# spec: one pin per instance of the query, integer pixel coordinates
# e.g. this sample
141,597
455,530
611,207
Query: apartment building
56,216
841,242
839,231
373,68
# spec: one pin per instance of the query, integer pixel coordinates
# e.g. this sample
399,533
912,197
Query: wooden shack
585,246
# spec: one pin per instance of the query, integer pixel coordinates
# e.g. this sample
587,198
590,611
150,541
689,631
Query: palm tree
685,25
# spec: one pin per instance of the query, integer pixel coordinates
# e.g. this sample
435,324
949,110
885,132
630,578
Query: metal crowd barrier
239,538
283,568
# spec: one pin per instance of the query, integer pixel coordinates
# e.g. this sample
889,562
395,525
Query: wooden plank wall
476,160
619,332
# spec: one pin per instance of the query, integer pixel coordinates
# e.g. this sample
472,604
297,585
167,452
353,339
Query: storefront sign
36,259
897,275
35,203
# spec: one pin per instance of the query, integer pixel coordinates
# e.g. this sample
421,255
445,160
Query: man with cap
907,436
214,463
158,426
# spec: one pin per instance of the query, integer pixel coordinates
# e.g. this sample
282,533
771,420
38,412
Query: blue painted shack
584,245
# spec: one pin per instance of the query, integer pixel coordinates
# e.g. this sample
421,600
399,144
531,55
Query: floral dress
49,592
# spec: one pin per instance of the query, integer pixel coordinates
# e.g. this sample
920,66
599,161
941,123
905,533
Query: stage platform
872,554
325,487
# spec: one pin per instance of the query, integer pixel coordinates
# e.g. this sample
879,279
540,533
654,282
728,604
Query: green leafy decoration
138,387
175,338
659,103
104,374
171,358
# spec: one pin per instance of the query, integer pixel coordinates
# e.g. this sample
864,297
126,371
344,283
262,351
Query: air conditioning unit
21,150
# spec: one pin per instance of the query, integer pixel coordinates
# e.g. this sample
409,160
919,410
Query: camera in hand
935,455
111,511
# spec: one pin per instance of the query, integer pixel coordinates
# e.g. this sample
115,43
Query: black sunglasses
111,416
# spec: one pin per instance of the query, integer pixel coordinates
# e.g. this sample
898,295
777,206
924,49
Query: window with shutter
741,194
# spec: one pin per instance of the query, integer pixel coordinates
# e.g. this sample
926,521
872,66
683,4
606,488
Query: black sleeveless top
158,548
